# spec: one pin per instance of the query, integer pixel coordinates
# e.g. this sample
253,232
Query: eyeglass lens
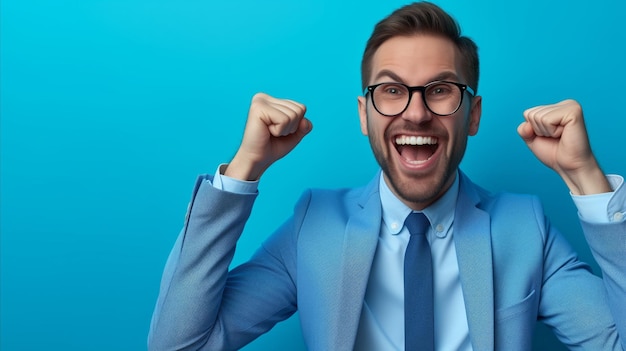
441,98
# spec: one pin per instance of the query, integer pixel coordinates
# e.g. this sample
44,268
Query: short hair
422,18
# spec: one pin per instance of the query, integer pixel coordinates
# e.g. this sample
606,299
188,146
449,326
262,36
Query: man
341,260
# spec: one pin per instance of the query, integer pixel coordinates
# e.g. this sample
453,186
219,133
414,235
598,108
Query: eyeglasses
442,98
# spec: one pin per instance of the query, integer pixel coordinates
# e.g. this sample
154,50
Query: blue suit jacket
514,269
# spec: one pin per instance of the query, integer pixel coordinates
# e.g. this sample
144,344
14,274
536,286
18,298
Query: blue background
109,109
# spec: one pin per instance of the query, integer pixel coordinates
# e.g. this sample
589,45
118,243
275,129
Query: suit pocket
515,324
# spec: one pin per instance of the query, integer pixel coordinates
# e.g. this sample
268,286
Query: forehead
416,59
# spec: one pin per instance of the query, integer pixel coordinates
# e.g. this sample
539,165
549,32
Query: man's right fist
274,128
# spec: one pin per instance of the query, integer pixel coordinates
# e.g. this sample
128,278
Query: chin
417,192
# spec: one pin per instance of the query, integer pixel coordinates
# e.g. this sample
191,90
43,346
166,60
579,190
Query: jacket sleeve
608,246
607,242
203,306
586,312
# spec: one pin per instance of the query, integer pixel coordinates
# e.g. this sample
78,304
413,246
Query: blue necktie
418,287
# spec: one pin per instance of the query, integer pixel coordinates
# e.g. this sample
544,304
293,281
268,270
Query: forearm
603,221
607,241
196,271
608,245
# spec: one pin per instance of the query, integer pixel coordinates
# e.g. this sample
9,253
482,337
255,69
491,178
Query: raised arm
556,134
201,305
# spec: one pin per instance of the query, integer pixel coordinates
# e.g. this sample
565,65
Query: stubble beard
416,193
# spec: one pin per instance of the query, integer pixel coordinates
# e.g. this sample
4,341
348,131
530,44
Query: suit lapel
361,238
472,238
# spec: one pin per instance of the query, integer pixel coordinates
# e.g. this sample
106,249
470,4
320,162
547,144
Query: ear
362,100
475,113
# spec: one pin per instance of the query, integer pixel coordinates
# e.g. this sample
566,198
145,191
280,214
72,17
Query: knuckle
576,107
259,96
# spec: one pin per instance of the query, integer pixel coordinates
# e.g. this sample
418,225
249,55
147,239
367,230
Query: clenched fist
556,134
274,128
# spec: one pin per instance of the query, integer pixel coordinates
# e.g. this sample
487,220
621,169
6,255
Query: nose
416,111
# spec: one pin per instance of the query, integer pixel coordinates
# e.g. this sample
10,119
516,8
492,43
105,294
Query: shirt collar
440,213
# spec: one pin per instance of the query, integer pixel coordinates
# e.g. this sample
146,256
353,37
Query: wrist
587,181
242,169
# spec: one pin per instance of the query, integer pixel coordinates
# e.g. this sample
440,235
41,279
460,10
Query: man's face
420,174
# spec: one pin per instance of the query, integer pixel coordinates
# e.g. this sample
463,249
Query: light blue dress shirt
381,326
382,320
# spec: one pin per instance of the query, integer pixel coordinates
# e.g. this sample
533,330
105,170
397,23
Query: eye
391,90
440,90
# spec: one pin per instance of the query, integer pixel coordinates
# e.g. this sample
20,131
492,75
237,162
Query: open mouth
416,149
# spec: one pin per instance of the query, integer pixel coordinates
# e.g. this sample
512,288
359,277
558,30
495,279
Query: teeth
415,140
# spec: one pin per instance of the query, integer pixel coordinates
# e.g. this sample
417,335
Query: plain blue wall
109,109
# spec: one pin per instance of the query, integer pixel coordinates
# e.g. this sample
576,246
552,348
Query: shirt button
439,228
394,225
618,216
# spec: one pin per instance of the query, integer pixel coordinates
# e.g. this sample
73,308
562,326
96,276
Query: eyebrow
446,75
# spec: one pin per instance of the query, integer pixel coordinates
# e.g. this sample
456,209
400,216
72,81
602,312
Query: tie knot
417,223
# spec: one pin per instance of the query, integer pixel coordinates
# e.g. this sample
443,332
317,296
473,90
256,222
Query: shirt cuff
604,207
232,185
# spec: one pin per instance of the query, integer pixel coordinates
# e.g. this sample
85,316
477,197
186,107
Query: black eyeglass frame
422,89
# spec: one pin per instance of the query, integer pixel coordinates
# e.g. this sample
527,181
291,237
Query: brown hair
422,18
